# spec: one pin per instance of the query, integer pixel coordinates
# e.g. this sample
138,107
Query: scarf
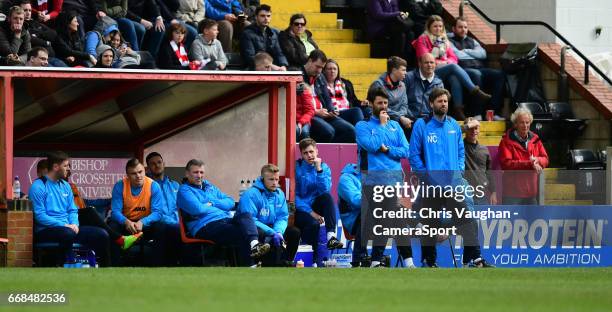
439,45
338,95
180,53
390,84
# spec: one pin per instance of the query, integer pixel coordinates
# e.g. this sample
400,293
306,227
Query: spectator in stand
38,57
168,9
472,58
45,11
133,31
41,35
146,13
385,19
419,11
523,157
393,83
327,125
304,111
434,41
172,53
100,34
231,18
106,56
14,38
206,49
478,164
296,42
260,37
342,94
263,62
419,84
129,58
87,12
69,45
191,11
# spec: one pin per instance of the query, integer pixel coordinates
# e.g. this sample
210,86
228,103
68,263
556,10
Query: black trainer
429,265
259,250
479,263
334,243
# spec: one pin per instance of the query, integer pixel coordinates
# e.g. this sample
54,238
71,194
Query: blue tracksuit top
53,204
371,135
157,203
418,92
169,189
437,147
310,184
349,191
269,209
203,204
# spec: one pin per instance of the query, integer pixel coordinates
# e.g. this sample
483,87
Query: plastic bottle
91,259
243,188
299,264
16,188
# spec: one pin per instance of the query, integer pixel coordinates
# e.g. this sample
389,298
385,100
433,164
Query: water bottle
299,264
243,188
16,188
91,259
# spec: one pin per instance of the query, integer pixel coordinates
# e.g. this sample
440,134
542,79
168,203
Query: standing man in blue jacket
419,84
382,144
313,200
266,203
169,213
230,17
437,154
56,218
260,37
205,212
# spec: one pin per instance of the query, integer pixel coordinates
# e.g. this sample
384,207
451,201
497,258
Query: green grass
238,289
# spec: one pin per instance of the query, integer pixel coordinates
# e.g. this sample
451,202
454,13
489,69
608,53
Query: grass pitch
291,289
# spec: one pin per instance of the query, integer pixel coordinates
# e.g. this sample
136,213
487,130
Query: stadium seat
189,240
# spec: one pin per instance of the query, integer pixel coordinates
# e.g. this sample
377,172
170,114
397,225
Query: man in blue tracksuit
266,202
349,204
56,218
437,155
169,213
205,213
382,144
313,201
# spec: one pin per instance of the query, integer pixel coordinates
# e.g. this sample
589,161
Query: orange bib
78,200
137,207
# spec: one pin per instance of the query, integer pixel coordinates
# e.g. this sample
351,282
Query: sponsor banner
95,177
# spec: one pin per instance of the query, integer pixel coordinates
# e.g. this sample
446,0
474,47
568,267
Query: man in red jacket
521,151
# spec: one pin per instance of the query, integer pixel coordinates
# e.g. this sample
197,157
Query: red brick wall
17,226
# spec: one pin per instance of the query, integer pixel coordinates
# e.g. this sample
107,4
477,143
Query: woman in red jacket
434,41
304,111
523,158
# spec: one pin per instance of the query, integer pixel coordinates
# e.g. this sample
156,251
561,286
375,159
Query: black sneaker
259,250
429,265
479,263
334,243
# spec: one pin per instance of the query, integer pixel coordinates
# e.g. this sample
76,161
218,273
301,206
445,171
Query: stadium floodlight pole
450,243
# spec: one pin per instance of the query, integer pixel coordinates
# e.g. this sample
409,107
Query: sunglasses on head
298,24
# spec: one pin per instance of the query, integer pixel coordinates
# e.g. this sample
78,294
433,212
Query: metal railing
498,24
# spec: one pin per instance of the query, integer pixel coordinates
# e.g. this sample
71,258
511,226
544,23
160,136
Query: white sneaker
408,263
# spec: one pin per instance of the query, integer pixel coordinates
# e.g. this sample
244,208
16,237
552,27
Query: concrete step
556,191
359,80
340,50
313,20
552,174
361,66
568,202
491,126
285,6
332,35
